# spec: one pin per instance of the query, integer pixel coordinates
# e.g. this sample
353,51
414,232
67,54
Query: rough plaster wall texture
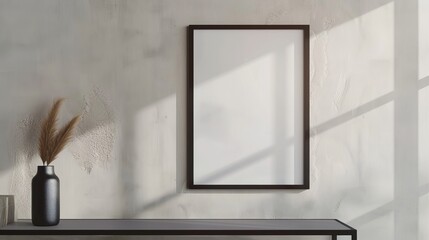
122,64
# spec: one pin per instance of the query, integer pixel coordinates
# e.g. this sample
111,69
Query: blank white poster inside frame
248,109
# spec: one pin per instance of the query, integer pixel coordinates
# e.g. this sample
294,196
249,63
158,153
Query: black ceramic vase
45,197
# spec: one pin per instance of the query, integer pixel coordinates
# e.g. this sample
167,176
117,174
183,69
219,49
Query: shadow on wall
181,133
316,27
181,123
404,97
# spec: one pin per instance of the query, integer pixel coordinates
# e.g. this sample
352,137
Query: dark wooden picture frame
190,105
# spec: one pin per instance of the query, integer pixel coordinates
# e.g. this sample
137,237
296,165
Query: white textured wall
122,64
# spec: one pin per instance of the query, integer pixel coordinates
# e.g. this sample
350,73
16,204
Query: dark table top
183,227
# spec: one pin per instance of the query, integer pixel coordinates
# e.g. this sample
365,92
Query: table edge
50,231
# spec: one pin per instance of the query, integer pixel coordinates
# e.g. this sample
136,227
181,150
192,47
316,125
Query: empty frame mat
248,106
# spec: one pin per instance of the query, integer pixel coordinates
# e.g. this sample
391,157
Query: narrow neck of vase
45,169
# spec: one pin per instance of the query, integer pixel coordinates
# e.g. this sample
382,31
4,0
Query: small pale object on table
7,210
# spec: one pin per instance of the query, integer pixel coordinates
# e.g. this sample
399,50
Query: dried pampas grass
52,141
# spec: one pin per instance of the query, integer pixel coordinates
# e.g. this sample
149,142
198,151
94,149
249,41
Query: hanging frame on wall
248,107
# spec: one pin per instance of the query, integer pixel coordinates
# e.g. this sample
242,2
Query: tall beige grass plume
52,141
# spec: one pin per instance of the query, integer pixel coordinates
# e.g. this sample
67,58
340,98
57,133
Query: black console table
329,227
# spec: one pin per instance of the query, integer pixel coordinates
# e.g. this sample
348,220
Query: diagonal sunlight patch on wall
343,96
326,16
360,152
352,107
355,65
